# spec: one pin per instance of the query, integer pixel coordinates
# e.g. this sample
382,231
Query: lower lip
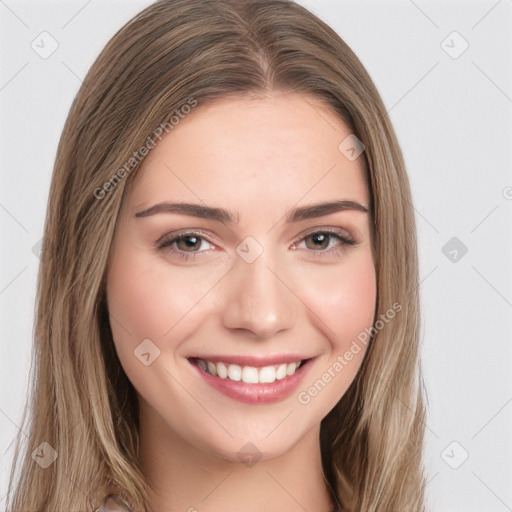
256,393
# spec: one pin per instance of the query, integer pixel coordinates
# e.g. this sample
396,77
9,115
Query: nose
258,300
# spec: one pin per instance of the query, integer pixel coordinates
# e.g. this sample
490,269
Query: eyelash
168,240
345,242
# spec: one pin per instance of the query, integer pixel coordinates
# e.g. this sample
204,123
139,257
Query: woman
228,296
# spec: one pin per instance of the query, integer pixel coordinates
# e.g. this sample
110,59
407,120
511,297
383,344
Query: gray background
452,112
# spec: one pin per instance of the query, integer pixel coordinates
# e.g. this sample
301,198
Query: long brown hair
175,53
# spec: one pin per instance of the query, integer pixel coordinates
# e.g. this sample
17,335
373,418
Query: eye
319,241
185,244
325,242
190,243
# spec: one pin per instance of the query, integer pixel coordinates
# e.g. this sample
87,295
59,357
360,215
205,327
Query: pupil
320,241
189,242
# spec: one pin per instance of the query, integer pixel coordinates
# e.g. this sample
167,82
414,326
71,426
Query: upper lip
256,361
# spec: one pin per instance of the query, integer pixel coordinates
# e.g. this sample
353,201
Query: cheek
343,299
146,300
342,306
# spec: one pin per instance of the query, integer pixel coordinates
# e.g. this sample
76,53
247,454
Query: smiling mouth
248,374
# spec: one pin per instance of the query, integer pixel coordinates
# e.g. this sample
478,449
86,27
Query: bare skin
307,294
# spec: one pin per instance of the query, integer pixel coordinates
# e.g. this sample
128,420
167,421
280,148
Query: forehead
276,151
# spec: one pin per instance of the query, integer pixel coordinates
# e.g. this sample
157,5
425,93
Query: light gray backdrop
443,69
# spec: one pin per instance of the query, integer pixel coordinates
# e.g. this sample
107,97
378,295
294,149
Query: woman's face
243,248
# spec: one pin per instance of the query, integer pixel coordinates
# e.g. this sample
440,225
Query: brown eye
188,243
318,241
184,243
325,243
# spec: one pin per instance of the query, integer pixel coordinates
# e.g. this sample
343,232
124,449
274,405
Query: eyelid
183,233
343,233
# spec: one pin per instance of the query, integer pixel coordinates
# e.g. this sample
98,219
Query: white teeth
222,371
212,368
249,374
281,372
290,369
267,374
234,372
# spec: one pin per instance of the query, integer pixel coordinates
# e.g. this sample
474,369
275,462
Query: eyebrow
227,217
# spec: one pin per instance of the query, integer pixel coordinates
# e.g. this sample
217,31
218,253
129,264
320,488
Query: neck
184,478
